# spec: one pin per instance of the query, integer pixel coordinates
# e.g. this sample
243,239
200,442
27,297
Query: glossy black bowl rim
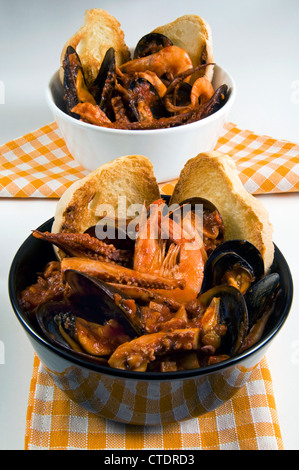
143,376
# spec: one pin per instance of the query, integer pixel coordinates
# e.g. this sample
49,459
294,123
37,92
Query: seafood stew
151,309
158,88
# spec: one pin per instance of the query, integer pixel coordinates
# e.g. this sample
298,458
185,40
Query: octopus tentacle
83,245
114,273
136,354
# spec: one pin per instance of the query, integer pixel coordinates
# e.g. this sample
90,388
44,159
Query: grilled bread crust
99,32
192,33
113,186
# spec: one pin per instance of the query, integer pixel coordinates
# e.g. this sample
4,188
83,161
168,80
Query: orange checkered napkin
247,422
40,165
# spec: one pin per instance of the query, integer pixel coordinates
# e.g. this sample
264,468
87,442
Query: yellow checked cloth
246,422
40,165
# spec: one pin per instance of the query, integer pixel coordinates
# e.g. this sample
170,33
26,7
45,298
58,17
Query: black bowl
143,398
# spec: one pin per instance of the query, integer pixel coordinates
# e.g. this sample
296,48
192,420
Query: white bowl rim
177,129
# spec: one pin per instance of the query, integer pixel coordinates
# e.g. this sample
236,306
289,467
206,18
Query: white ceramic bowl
168,149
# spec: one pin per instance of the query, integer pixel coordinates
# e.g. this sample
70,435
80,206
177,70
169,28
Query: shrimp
203,89
183,260
169,60
149,248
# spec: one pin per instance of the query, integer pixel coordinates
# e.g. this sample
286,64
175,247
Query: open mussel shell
218,100
226,255
227,262
232,313
199,205
208,220
56,320
143,92
73,80
49,315
260,295
182,94
113,233
151,43
103,86
100,299
197,202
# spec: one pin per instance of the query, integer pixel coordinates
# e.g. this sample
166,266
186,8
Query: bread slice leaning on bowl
192,33
99,32
214,176
130,176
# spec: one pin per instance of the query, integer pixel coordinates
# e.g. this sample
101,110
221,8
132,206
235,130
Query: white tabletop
257,41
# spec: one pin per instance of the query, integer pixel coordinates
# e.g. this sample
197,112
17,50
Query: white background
256,41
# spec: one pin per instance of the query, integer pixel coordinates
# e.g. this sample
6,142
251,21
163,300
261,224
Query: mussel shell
50,314
202,207
259,295
197,204
242,250
45,316
199,201
99,297
150,97
182,94
106,73
116,235
223,263
233,313
151,43
218,100
69,81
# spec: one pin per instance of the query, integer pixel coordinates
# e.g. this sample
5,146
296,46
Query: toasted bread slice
99,32
214,176
192,33
80,206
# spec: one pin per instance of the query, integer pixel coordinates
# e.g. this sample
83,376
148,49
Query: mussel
144,100
208,220
104,84
113,233
105,301
261,295
239,263
181,95
235,262
232,312
151,43
52,316
218,100
93,305
75,89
